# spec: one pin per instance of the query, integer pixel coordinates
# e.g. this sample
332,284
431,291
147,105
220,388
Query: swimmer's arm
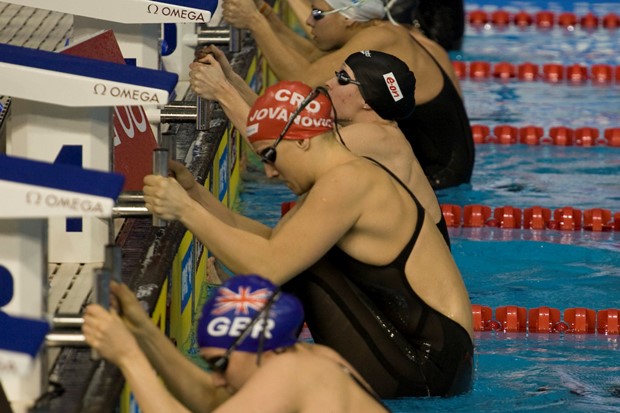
325,217
287,62
221,89
148,390
202,196
188,383
289,36
239,83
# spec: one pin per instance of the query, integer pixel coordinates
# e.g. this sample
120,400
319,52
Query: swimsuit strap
393,175
401,259
443,73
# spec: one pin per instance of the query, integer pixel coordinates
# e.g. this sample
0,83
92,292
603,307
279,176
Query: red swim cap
272,110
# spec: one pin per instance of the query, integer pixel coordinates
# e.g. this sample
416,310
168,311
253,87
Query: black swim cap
387,84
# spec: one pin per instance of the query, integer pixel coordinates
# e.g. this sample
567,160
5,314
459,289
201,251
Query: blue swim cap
240,300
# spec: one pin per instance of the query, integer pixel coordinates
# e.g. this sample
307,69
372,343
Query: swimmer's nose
270,171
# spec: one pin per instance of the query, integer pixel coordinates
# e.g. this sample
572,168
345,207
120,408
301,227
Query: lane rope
586,136
543,19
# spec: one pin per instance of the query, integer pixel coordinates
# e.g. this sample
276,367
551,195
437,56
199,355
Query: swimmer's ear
303,143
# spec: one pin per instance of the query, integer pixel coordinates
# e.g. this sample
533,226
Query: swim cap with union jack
234,305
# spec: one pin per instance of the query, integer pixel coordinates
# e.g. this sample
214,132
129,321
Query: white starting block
137,26
61,112
32,191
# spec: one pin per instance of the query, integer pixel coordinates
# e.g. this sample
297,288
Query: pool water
560,269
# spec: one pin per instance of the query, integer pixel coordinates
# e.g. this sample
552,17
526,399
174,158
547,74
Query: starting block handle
160,168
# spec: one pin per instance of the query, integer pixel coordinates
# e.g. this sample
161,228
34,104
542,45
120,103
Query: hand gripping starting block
32,192
61,112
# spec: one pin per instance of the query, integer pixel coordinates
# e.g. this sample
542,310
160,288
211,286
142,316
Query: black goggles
268,155
344,79
219,364
318,14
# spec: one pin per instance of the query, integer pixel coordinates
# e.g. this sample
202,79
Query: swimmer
366,110
247,336
438,130
356,242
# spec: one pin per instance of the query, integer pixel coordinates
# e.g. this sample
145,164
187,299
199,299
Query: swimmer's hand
105,332
183,176
207,78
242,14
165,198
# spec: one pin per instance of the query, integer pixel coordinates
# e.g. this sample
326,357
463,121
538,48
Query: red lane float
479,70
478,18
601,73
611,21
612,137
586,136
567,19
475,216
480,133
536,217
607,321
543,19
504,135
589,21
530,134
528,71
555,73
452,214
500,18
512,318
561,135
544,319
577,73
504,70
507,217
532,218
597,219
460,69
522,19
580,320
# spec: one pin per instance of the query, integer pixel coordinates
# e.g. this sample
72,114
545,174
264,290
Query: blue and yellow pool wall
178,306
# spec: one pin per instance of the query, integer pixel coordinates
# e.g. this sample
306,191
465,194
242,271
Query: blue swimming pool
561,269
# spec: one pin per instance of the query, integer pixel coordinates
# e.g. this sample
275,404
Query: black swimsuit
440,135
373,318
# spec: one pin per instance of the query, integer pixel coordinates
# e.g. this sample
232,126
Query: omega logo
133,94
55,201
175,12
